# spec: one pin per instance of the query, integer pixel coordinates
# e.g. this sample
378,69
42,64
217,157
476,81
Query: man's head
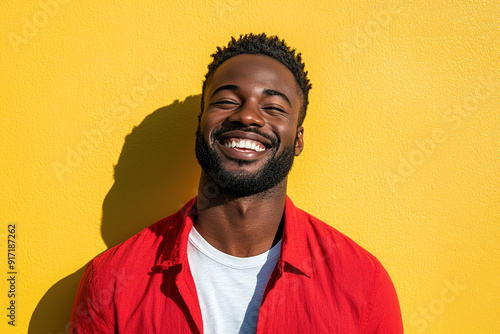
270,46
253,106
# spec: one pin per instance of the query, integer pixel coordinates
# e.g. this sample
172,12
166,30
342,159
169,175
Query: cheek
207,124
287,133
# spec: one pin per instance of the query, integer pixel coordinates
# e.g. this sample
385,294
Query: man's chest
294,304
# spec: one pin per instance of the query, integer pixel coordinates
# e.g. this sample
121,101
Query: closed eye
225,103
275,109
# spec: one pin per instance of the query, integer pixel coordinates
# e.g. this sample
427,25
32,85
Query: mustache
274,141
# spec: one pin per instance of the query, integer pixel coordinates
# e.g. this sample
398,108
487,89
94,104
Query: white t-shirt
229,288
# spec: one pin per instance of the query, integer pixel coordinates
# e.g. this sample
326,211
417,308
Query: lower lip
242,154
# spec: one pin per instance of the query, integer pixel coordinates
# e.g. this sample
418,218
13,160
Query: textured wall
98,110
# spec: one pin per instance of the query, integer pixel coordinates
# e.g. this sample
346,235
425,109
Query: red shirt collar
295,250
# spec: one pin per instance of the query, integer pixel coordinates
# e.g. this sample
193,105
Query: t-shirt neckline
231,261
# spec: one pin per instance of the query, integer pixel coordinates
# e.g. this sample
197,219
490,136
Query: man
240,257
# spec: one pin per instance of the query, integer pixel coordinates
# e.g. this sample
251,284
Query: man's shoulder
139,251
337,249
354,276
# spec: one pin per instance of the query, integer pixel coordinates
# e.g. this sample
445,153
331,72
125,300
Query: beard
242,183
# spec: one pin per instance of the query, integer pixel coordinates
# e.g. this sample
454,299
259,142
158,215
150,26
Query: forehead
260,70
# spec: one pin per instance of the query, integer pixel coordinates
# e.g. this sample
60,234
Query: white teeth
245,144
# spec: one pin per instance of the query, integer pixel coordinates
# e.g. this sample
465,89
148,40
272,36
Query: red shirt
323,283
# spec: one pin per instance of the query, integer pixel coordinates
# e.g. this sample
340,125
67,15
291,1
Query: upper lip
245,135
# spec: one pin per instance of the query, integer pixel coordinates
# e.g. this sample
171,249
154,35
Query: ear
299,141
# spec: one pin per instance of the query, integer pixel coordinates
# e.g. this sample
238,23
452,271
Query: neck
240,225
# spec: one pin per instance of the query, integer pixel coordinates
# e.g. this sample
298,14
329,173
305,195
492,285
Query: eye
275,109
224,104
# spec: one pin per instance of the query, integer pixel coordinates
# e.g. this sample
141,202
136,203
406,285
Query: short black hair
271,46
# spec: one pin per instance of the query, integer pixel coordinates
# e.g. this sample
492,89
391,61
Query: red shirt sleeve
384,316
92,305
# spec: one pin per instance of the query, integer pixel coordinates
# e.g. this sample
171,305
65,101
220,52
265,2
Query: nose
248,114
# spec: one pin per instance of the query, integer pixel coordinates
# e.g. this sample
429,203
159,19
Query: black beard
240,183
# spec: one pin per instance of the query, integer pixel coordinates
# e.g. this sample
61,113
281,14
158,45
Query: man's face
248,135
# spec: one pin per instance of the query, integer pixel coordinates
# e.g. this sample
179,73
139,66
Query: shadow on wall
156,174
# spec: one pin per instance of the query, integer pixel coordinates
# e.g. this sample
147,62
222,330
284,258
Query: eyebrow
273,92
232,88
270,92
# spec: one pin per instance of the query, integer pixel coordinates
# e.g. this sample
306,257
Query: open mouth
243,145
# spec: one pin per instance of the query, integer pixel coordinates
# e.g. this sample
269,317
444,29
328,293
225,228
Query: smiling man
240,257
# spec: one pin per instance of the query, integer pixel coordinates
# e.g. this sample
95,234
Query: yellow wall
98,110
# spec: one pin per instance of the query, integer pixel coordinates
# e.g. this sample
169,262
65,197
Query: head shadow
156,174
